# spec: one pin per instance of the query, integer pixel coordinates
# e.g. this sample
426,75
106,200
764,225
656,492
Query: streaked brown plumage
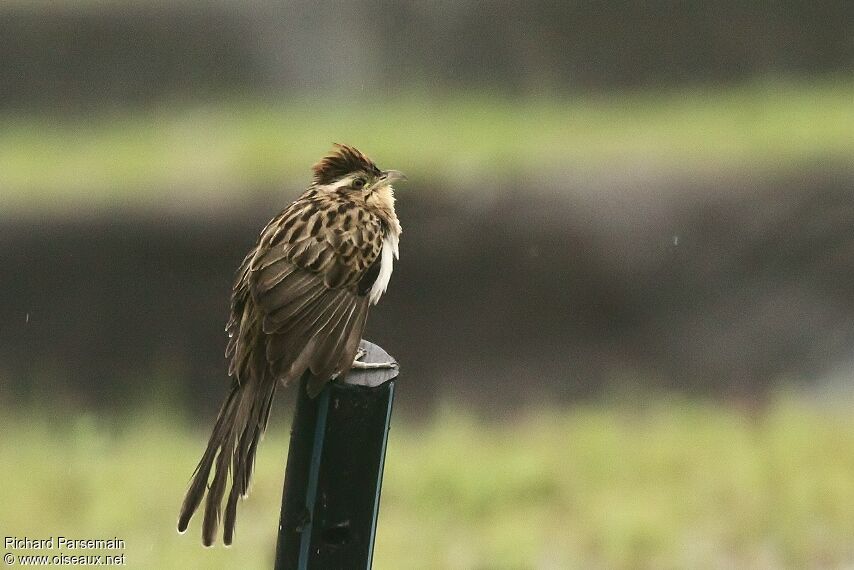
299,304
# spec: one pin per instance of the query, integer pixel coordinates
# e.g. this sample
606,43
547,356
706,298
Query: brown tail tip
184,521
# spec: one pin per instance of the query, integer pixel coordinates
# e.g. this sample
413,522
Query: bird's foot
359,365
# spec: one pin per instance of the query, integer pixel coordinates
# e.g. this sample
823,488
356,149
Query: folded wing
309,282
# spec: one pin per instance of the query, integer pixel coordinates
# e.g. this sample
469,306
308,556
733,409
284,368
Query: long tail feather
199,482
244,457
231,448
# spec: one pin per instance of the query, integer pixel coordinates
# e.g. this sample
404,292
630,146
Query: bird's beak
392,176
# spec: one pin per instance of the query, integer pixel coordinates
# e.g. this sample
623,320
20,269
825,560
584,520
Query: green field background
179,153
669,484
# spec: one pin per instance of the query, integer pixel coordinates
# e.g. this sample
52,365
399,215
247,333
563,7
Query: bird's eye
359,183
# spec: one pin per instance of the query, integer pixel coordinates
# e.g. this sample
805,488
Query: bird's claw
359,365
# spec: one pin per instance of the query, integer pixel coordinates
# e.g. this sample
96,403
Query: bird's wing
309,278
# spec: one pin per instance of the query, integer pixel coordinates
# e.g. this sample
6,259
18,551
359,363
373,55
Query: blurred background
624,305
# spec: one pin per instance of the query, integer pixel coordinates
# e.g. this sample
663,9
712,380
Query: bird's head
348,172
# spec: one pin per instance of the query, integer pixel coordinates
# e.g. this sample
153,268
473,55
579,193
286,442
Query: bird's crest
343,161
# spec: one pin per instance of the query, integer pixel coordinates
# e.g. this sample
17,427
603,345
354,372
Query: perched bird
299,305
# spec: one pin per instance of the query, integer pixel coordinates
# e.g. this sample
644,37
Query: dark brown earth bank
522,293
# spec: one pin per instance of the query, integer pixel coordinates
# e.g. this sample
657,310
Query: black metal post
334,471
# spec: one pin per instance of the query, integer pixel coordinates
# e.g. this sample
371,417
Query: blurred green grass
669,484
190,153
